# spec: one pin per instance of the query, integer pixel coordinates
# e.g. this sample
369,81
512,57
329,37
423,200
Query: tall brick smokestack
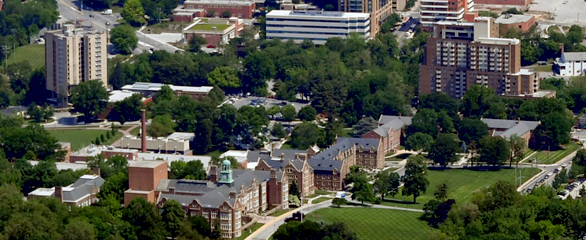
143,130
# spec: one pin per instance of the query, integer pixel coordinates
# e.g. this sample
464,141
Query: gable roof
574,56
288,154
366,143
325,160
80,188
507,128
388,122
280,164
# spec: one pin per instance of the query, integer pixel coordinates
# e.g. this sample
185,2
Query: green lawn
321,199
249,230
380,224
549,157
280,212
80,138
33,53
543,68
317,193
461,184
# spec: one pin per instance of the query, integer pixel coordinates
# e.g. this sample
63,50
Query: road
69,9
268,229
413,15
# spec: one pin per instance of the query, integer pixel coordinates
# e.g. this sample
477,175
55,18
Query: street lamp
216,33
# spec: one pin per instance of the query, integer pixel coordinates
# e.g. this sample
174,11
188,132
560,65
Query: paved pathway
124,133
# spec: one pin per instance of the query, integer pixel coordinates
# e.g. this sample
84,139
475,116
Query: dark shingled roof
324,161
386,122
366,143
280,164
510,127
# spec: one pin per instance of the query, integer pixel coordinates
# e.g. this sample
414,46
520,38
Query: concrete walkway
124,133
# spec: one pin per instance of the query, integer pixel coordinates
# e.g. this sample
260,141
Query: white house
572,64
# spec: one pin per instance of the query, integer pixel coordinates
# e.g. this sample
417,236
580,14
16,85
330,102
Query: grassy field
461,184
80,138
33,53
380,224
249,230
549,157
280,212
543,68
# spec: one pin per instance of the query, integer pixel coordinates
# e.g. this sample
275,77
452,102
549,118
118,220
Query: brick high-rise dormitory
462,54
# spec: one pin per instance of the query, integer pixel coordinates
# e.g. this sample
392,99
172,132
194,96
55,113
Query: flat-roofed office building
317,26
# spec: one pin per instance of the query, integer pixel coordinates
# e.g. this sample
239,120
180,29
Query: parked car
556,170
211,46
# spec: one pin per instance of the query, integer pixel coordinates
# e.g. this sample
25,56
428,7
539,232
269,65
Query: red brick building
207,8
143,178
521,23
389,132
228,196
297,170
370,153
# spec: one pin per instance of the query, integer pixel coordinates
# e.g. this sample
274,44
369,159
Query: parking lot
265,102
565,11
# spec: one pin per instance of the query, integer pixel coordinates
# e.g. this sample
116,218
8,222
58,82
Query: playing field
80,138
462,184
371,223
550,157
33,53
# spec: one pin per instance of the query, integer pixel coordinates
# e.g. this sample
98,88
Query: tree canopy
89,98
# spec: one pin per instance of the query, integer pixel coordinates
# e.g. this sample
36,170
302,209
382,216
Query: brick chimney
59,193
562,47
518,120
96,171
213,174
282,156
143,128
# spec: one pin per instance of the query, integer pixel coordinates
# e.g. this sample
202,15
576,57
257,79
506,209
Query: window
214,215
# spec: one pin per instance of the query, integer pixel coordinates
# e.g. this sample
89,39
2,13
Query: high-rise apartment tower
74,55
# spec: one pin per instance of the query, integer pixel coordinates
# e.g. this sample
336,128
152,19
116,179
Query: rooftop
513,18
317,14
155,87
523,71
209,27
205,160
181,136
147,164
9,111
574,56
65,166
499,41
219,2
119,95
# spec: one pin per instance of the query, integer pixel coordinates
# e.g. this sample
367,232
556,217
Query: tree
173,216
560,178
494,150
79,229
289,113
278,131
419,142
518,146
415,177
123,38
89,98
304,135
553,130
145,219
224,77
386,183
133,13
425,121
190,170
258,68
165,94
128,109
195,43
364,126
439,102
203,136
294,189
444,149
480,101
362,191
471,131
226,14
307,113
161,126
114,187
339,201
